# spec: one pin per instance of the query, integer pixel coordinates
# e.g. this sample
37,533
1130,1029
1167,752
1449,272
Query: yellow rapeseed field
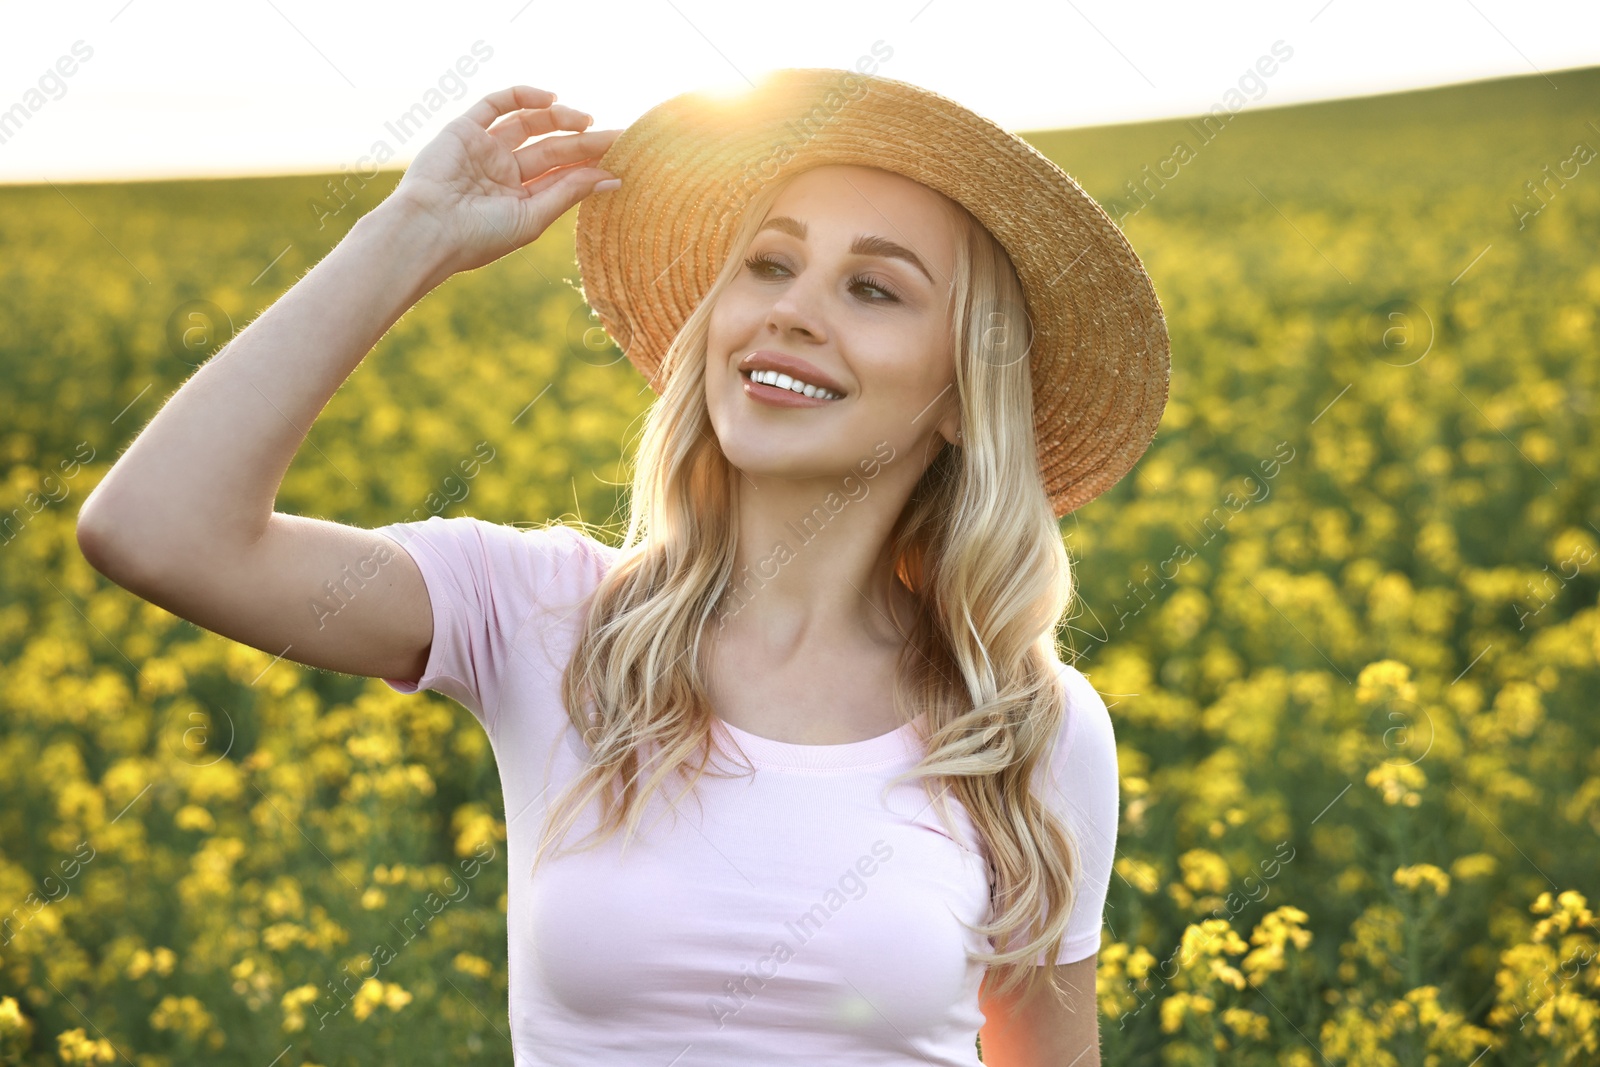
1346,614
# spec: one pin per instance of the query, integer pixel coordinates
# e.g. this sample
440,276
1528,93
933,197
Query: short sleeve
484,580
1084,791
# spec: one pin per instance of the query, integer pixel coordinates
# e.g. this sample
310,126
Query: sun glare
737,85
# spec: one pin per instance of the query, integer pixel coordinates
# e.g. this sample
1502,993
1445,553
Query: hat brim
649,251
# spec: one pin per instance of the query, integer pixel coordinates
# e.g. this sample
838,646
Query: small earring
958,435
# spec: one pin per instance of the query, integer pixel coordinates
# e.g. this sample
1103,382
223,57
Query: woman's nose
800,307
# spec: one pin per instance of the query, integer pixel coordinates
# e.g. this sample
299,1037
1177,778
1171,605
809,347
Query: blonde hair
977,544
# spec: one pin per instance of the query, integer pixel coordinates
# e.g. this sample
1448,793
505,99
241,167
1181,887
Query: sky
140,89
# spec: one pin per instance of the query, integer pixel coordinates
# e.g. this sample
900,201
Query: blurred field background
1345,612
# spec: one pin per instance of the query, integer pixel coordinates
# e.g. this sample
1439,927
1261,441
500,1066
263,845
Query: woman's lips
780,398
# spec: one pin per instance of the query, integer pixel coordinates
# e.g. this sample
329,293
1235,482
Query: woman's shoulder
509,559
1086,708
1087,743
552,557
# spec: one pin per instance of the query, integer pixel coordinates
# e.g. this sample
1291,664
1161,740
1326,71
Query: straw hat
650,250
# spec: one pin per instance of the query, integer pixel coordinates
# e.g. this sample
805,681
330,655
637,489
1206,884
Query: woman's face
851,274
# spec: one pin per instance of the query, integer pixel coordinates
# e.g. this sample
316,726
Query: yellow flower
1413,876
1352,1036
1210,937
81,802
1398,783
1385,680
1225,972
159,676
160,961
294,1019
476,966
376,748
283,898
1574,911
280,936
1518,709
1277,928
213,781
1352,880
74,1046
373,898
14,1024
1446,1031
211,872
252,982
194,817
184,1015
1139,874
1247,1023
1180,1005
385,875
418,779
1377,939
1114,991
374,994
1426,1000
474,825
1476,865
1203,871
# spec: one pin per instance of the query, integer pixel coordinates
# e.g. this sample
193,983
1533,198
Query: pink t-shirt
790,916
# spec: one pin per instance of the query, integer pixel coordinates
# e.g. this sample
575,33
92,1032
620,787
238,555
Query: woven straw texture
649,251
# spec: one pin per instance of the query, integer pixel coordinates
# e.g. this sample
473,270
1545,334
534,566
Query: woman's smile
780,393
779,378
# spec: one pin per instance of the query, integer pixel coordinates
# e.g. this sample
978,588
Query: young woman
795,774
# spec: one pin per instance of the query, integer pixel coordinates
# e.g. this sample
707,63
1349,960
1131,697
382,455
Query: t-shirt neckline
900,746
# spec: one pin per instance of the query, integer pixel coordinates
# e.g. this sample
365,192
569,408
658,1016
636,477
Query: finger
501,101
540,156
515,129
555,175
567,189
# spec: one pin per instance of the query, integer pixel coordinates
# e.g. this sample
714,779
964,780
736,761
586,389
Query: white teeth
783,381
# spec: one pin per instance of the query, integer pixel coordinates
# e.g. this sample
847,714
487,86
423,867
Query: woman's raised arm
185,518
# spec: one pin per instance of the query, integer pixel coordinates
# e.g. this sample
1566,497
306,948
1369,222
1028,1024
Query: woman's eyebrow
863,245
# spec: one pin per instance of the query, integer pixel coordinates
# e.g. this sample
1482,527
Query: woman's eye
757,264
870,284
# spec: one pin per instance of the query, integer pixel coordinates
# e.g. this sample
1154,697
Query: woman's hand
481,195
